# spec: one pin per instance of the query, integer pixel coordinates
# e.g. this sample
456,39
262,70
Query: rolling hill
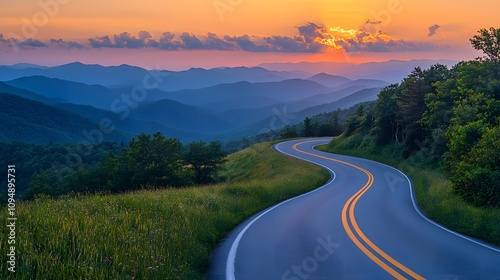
225,111
34,122
329,80
181,116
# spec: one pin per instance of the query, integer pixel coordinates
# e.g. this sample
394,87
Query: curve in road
362,224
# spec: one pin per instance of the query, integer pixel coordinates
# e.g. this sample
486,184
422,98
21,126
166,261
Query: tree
308,127
411,104
386,126
289,132
488,41
473,163
204,160
154,161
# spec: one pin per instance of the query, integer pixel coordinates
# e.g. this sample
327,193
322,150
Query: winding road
363,223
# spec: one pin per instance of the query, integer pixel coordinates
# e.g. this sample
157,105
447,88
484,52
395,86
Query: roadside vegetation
442,127
151,234
435,195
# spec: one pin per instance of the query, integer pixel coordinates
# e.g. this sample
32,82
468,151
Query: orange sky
397,29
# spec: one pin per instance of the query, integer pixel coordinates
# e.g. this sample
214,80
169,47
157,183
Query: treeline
34,159
325,124
148,161
313,128
447,118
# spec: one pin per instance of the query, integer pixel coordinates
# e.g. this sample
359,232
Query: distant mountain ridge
126,75
224,111
392,71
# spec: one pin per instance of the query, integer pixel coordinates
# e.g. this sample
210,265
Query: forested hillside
146,162
35,122
446,118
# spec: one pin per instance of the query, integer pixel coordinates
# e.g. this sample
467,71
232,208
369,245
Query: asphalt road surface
363,224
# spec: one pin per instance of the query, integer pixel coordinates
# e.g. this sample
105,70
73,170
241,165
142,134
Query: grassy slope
434,193
163,234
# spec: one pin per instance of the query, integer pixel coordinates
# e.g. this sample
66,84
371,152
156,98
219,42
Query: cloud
433,29
33,43
27,44
309,38
371,22
61,44
292,44
124,40
361,40
247,43
101,42
167,42
190,42
213,42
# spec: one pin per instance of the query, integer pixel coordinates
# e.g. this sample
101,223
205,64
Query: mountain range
210,104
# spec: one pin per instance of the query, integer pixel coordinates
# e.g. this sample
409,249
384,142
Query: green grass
434,193
161,234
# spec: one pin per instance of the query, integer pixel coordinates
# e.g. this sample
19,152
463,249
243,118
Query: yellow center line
348,215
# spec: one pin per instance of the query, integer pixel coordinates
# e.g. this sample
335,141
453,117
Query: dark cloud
144,35
368,21
292,44
310,32
246,43
32,43
306,41
433,29
190,42
352,45
167,42
101,42
213,42
125,40
310,38
60,43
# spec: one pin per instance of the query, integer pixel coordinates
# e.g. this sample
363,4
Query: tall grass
434,193
162,234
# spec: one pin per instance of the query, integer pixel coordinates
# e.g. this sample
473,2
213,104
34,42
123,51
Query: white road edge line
417,209
231,258
234,247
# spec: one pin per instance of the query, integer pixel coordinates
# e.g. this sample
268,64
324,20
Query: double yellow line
352,229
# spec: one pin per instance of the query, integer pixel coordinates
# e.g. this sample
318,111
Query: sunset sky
210,33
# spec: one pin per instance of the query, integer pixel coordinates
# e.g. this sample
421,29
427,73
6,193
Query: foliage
34,122
35,160
289,132
327,124
151,234
150,161
204,160
488,41
434,193
473,163
448,117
